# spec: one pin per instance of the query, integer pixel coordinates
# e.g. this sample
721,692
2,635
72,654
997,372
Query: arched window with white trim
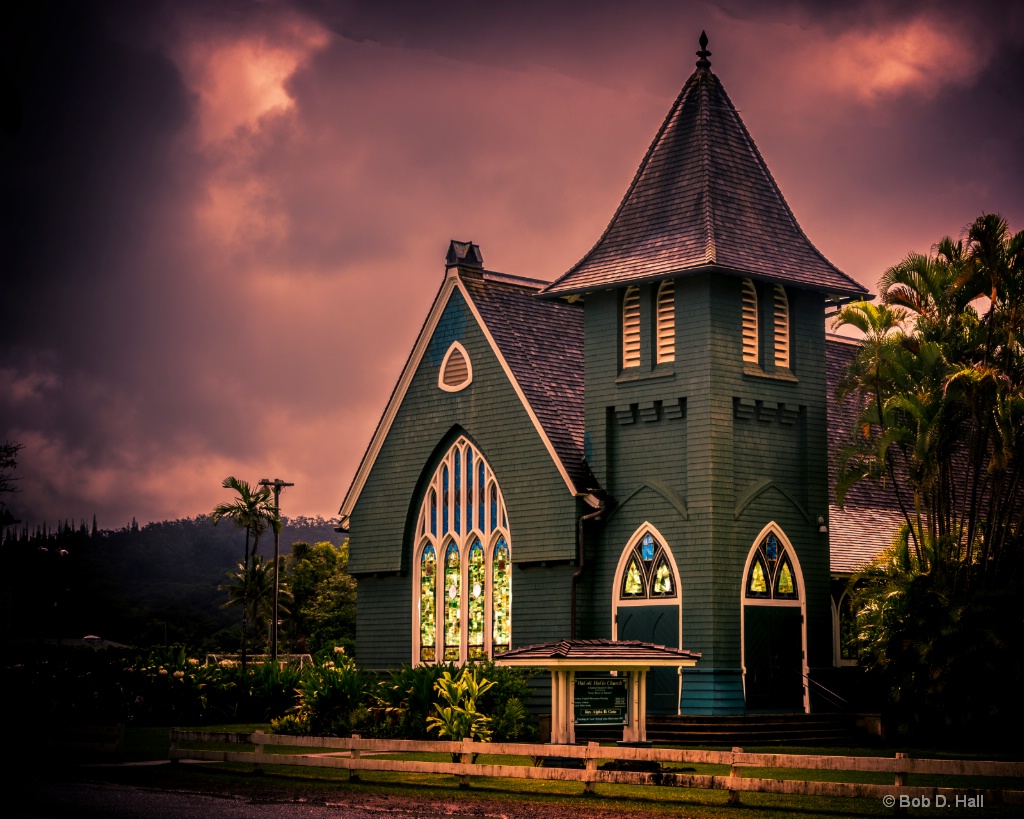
750,340
463,584
665,321
781,326
773,625
456,369
631,328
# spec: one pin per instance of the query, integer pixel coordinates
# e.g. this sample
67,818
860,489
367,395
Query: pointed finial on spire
703,62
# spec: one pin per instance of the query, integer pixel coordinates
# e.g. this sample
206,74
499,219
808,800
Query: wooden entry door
773,656
659,625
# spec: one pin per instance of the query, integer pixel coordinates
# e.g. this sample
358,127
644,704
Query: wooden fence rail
326,752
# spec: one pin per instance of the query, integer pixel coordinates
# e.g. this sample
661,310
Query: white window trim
646,528
800,603
751,342
631,328
665,323
464,541
837,649
780,327
444,366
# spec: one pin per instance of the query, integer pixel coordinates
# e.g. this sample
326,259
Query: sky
224,222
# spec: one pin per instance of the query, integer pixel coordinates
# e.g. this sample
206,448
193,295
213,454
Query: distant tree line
155,584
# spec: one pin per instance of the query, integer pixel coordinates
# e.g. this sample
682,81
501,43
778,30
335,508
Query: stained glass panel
469,490
452,603
433,512
784,585
481,494
494,507
445,499
501,634
477,595
457,495
633,584
757,586
663,584
771,547
647,548
428,604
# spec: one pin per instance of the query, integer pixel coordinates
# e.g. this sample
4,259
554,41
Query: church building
638,450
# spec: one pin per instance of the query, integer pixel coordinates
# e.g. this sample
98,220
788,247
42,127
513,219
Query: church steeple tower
702,199
704,373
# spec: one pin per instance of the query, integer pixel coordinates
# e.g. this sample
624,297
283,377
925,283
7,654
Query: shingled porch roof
702,200
603,653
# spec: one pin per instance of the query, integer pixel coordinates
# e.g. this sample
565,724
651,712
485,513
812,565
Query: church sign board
600,700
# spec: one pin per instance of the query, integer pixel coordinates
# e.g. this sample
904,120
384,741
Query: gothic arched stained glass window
477,609
771,574
649,572
463,587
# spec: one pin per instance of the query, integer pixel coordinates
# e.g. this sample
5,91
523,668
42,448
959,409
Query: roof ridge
705,149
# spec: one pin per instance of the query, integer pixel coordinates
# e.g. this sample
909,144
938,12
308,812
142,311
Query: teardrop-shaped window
456,370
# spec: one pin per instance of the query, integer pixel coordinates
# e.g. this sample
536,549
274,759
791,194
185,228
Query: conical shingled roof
702,199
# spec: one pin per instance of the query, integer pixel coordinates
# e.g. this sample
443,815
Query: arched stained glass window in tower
476,626
649,571
502,601
452,603
771,574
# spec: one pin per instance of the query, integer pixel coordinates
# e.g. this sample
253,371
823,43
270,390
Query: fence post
256,738
353,752
588,783
735,771
175,746
467,759
901,776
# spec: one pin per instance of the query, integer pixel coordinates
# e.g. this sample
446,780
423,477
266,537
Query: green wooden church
637,450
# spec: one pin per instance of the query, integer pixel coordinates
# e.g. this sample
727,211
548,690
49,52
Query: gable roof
703,199
539,345
601,653
864,527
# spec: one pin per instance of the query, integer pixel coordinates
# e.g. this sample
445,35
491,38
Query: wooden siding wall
541,511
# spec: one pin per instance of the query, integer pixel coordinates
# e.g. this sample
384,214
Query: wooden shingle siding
541,513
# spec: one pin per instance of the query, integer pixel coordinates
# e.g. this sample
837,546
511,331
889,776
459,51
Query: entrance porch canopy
566,657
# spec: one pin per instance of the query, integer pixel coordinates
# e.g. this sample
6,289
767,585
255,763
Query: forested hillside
146,585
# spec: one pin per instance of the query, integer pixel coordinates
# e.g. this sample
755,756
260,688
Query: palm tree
254,511
253,589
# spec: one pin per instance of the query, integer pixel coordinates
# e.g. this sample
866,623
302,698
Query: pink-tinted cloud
229,220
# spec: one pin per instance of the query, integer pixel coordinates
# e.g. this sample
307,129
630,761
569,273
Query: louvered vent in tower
631,328
781,327
456,371
666,322
749,322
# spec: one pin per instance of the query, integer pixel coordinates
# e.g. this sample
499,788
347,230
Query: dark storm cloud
224,222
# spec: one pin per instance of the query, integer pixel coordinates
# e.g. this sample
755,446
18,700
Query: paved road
57,800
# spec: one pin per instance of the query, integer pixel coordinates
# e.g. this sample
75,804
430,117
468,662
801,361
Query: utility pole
277,484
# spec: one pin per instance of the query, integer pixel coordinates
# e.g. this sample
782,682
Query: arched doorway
773,631
646,606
